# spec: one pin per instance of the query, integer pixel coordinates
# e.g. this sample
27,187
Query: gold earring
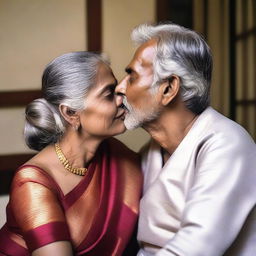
76,127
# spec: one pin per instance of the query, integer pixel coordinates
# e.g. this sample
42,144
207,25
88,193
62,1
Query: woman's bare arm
60,248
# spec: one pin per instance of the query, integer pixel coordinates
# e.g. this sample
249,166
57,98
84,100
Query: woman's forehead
104,78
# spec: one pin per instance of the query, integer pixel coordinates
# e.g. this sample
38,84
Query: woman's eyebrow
108,87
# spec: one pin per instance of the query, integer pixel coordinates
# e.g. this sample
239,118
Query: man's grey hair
66,80
184,53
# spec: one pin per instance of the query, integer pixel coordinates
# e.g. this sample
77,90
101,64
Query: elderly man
200,167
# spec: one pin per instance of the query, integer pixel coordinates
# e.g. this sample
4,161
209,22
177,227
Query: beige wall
34,32
3,203
37,31
11,127
119,18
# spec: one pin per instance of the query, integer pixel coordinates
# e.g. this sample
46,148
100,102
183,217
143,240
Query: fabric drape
98,215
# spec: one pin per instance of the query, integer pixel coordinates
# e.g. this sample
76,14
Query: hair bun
43,125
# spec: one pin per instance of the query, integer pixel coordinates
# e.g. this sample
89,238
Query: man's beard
136,118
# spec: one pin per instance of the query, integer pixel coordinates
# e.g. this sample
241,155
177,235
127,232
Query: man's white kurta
201,202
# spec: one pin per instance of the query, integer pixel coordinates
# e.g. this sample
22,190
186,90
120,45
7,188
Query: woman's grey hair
184,53
66,80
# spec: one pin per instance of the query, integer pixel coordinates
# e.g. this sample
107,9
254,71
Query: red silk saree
97,216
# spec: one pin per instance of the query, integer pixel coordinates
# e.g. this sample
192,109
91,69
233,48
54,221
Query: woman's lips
121,114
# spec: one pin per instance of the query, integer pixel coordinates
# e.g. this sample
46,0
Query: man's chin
131,124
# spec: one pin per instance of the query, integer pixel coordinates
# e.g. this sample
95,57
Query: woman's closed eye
110,93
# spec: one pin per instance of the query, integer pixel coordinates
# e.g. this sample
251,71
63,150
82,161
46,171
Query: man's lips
124,107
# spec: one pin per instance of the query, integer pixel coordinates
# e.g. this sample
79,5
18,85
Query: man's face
140,102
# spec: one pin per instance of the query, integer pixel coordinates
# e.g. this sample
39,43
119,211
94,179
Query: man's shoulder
149,153
221,126
217,133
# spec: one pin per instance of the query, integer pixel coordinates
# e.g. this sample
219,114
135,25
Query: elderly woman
80,194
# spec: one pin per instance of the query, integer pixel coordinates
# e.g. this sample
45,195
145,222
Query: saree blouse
97,216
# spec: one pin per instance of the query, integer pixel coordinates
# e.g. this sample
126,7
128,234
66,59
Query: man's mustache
125,105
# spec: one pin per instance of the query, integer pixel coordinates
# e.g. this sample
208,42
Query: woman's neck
79,150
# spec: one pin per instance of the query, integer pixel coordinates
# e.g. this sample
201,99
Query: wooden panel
177,11
94,34
18,98
94,25
162,10
246,102
8,165
233,23
246,34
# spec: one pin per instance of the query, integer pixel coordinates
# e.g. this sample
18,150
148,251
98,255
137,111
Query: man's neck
171,127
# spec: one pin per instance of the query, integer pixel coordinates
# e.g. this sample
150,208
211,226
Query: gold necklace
79,171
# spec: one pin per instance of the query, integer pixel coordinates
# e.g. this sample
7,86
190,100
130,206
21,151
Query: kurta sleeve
36,209
219,201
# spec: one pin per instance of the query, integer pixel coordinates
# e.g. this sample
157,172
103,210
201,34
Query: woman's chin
121,129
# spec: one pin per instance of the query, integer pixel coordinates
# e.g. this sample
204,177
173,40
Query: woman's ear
169,89
70,115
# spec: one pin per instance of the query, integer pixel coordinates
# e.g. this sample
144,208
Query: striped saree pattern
97,216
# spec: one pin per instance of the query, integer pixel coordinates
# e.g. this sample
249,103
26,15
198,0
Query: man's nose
121,87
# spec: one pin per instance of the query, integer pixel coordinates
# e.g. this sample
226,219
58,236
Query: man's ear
69,115
169,89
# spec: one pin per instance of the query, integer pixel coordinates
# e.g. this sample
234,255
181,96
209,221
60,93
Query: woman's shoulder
33,173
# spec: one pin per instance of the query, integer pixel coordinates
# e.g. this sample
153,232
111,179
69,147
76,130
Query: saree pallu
97,216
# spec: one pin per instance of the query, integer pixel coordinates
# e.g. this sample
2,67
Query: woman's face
103,115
